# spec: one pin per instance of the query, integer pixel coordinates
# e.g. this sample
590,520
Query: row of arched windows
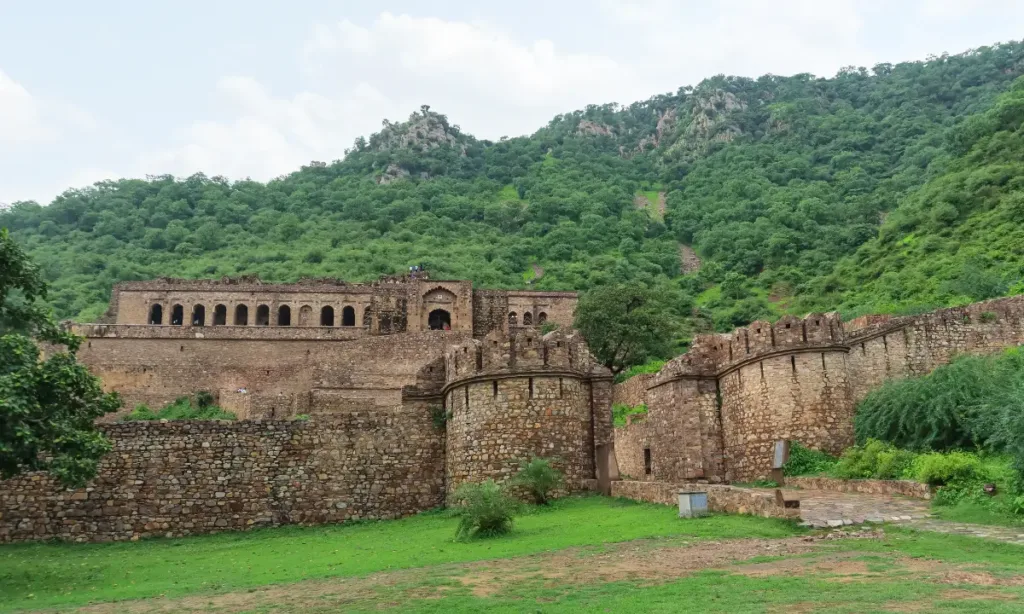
513,319
262,316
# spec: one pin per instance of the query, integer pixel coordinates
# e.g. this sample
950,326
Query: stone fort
369,401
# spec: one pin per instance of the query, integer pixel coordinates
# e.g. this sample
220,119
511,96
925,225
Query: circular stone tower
510,398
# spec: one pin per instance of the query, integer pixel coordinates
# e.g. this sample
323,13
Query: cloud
28,119
269,135
487,81
747,37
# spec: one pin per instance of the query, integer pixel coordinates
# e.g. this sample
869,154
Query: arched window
542,318
198,315
305,315
439,319
220,315
156,314
177,315
513,320
241,315
284,315
527,319
367,316
348,316
263,316
327,316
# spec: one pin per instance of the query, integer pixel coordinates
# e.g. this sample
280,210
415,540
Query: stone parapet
906,488
721,498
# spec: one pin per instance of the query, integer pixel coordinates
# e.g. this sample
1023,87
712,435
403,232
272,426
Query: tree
625,325
48,406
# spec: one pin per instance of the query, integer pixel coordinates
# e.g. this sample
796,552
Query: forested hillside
890,188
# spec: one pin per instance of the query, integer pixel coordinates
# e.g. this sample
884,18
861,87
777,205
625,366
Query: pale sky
106,89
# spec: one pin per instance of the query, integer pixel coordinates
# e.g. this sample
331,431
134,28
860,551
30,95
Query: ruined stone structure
274,351
373,366
715,412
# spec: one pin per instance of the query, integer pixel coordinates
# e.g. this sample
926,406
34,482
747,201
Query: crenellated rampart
715,412
512,397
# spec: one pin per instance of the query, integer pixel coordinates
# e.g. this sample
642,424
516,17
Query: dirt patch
643,561
689,261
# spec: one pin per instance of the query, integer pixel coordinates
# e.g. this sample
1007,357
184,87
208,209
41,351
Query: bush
805,461
941,469
182,409
875,459
648,367
539,478
484,510
620,411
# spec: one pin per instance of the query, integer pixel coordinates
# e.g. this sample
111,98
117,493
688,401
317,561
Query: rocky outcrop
589,128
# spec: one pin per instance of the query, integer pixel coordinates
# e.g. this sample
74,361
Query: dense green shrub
805,461
539,479
483,510
875,459
183,408
933,412
939,469
972,403
620,411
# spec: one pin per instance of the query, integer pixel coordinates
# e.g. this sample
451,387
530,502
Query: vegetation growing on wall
201,407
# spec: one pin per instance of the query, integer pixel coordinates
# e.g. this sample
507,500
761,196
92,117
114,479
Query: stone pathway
1012,535
821,508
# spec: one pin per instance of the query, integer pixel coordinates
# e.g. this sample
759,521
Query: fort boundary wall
714,412
181,478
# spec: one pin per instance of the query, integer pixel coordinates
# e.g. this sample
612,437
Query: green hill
780,184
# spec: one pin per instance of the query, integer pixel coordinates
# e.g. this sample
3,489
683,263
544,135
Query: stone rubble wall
721,498
183,478
906,488
633,391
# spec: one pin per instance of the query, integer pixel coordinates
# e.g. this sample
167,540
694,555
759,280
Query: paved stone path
820,508
1012,535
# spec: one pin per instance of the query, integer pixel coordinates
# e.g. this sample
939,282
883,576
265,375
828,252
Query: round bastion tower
512,397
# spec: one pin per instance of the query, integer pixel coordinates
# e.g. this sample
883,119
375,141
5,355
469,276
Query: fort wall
257,376
183,478
510,398
795,379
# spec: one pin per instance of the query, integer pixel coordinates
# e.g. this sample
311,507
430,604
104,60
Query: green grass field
582,554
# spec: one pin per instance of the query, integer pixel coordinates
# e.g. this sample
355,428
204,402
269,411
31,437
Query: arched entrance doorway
439,319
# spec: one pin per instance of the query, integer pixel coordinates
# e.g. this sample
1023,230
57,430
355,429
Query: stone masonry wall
183,478
797,379
510,398
633,391
261,378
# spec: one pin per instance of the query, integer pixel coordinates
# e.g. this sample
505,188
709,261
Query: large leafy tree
48,406
625,325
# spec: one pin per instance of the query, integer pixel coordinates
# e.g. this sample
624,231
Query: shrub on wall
620,411
183,408
483,510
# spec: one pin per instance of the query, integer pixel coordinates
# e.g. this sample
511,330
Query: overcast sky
255,88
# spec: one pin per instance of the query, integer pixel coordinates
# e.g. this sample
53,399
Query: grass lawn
40,575
583,554
975,513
